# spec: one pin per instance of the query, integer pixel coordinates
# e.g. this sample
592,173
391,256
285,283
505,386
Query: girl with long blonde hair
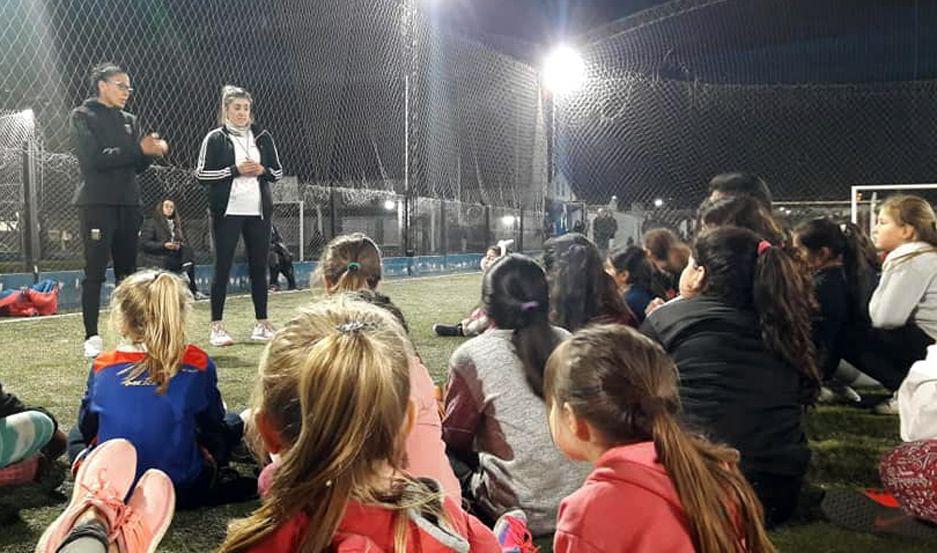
332,403
161,394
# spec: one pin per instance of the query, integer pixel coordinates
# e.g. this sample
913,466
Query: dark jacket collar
673,318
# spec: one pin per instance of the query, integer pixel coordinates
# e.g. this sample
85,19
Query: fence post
332,212
487,228
443,229
31,247
520,236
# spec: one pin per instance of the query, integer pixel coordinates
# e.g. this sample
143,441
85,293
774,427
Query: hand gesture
152,145
250,168
171,245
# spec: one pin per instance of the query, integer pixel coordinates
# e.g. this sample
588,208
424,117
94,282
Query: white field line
14,320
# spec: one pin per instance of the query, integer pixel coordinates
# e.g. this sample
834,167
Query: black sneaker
447,330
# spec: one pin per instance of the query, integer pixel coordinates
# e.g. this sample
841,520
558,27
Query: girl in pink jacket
612,400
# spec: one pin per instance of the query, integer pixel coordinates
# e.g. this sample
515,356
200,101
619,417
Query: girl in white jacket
903,307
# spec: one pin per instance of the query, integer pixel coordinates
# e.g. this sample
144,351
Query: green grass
42,363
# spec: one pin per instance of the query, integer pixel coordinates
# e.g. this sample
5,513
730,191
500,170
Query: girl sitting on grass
161,395
352,263
494,425
332,400
613,401
633,274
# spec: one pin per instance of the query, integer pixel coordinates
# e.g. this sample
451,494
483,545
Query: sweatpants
227,230
909,472
887,355
108,232
22,435
180,261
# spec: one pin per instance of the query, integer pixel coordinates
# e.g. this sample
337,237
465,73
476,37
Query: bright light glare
659,202
508,220
564,70
390,205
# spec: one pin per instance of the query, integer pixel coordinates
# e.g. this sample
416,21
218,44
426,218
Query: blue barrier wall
394,267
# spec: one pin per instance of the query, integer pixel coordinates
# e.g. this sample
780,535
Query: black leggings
107,232
227,229
887,355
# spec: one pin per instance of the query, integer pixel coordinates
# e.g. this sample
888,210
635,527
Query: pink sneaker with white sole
102,483
148,514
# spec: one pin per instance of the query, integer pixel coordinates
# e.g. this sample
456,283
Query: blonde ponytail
150,308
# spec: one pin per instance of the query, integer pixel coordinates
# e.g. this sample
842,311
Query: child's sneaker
102,483
263,332
513,534
219,336
148,514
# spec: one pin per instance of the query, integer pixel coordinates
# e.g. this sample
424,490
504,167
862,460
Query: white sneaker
219,336
888,407
94,346
199,296
263,332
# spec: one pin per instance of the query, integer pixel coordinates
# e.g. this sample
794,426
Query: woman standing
162,239
237,161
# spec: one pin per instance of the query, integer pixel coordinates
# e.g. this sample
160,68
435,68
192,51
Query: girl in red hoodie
333,404
612,399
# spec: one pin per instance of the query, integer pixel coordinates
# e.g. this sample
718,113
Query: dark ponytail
581,291
516,297
747,272
859,258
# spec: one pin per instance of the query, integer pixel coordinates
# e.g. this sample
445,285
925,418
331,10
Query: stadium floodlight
658,202
390,205
508,220
564,70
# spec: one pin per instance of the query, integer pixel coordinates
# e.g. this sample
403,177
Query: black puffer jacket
216,168
732,388
107,141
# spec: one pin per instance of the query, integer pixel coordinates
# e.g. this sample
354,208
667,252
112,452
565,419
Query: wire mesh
369,102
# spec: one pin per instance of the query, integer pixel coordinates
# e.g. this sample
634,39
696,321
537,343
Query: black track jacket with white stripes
216,168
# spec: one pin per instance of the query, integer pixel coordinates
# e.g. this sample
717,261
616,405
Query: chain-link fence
386,122
813,95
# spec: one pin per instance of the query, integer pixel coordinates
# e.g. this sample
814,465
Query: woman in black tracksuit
164,242
238,161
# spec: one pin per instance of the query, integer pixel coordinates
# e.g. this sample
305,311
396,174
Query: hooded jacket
107,142
370,529
628,503
732,388
216,168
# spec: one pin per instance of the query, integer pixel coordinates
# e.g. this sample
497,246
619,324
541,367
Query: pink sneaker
148,513
102,483
513,534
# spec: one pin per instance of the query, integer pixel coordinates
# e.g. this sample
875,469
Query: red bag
45,303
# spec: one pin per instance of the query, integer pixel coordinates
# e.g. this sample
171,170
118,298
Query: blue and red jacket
168,430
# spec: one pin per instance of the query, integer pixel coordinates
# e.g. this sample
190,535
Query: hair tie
763,246
529,306
353,266
353,327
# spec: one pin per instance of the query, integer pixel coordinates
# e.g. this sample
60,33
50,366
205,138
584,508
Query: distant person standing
111,152
603,230
237,161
